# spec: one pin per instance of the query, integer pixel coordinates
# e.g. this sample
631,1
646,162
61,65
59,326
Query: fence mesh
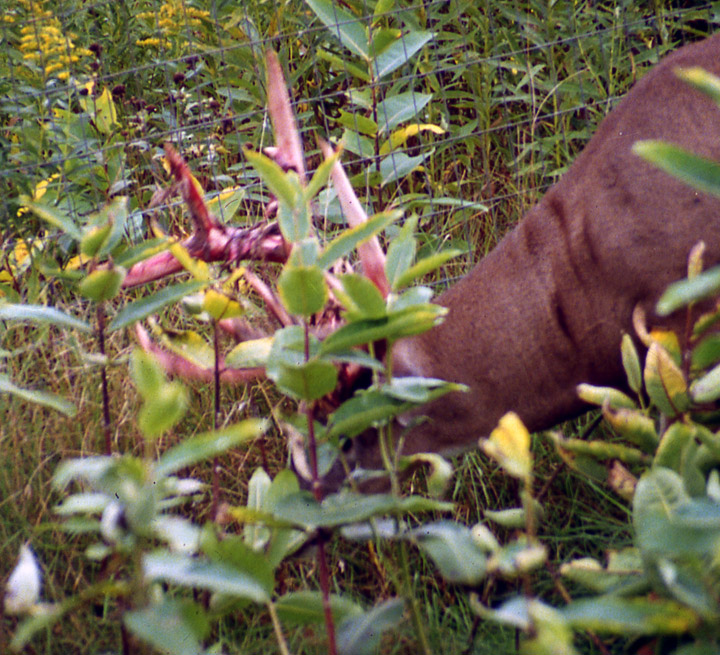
461,112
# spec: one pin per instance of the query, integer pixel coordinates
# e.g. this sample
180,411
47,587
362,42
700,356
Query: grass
517,87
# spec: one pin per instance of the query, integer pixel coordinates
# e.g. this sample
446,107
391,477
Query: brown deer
546,309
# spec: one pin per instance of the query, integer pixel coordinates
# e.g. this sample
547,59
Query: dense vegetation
487,105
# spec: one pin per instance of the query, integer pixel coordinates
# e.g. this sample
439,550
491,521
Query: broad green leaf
306,607
256,536
399,108
201,574
102,109
141,251
344,25
114,214
343,64
94,238
452,548
630,616
102,284
364,410
234,552
275,178
208,444
44,398
83,503
707,388
140,309
682,293
634,426
419,390
356,122
413,320
631,363
53,215
398,165
147,374
302,290
295,221
699,172
41,314
86,469
163,409
602,395
361,635
702,80
175,627
592,575
250,354
303,510
424,266
360,297
508,518
401,252
400,52
40,622
351,238
706,353
308,381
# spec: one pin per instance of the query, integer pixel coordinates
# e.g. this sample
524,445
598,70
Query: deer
546,310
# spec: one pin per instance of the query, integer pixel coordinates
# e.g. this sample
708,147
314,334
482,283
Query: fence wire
461,112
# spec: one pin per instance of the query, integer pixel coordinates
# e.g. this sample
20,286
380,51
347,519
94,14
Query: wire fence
460,112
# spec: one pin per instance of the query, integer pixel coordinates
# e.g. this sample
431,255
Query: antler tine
288,152
202,218
371,255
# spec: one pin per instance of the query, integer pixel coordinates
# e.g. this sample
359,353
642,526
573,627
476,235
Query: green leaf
398,165
250,354
602,395
364,410
163,409
190,345
361,635
356,122
43,398
208,444
321,175
294,221
360,297
419,390
699,172
140,309
344,25
423,267
142,251
452,548
707,388
233,551
682,293
400,52
147,374
54,216
303,510
401,252
41,314
276,179
306,607
664,381
399,108
302,290
103,284
631,363
634,426
200,574
288,368
175,627
630,616
702,80
351,238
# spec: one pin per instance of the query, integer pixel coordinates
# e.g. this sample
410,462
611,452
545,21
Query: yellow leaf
509,446
399,137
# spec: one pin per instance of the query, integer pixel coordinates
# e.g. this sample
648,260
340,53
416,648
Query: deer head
546,310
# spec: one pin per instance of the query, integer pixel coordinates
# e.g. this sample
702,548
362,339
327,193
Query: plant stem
103,379
216,420
278,629
317,493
